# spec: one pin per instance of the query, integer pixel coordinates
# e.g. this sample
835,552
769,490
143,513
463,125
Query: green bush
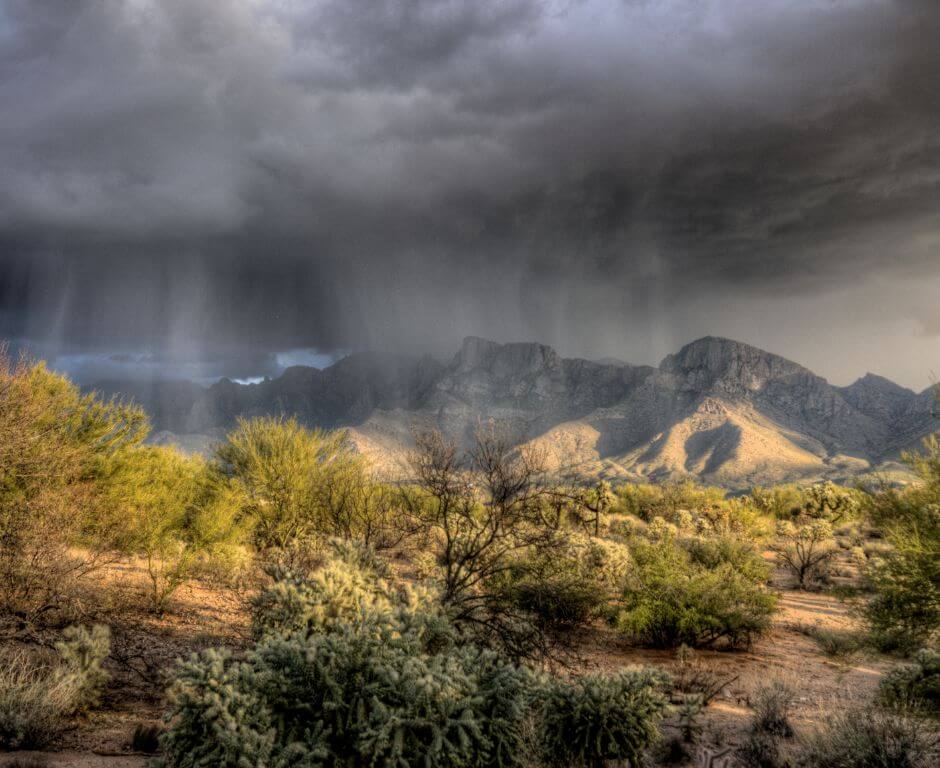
371,676
175,516
915,685
648,501
601,718
560,601
871,739
294,483
572,586
56,520
714,551
904,613
670,600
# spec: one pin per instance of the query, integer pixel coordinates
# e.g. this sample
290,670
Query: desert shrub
570,586
34,704
740,553
281,473
759,749
146,738
557,595
601,718
804,548
904,613
648,501
355,508
838,644
780,501
769,724
175,516
36,700
56,446
914,686
373,690
670,600
771,705
871,739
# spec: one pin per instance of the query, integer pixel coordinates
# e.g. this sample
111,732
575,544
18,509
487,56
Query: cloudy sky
200,187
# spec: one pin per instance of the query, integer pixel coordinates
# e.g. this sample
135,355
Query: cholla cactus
827,501
660,528
83,652
218,719
685,520
601,718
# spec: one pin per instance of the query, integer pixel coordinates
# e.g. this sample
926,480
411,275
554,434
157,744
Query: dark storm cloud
192,177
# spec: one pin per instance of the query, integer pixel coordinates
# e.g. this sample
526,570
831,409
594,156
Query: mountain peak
872,381
717,354
734,366
512,359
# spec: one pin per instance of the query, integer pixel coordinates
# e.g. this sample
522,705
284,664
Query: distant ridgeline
719,410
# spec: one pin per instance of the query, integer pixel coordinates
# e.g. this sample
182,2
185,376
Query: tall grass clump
36,701
871,738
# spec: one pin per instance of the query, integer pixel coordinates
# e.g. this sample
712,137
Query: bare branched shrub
804,548
489,515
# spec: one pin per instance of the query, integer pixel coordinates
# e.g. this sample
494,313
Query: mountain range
719,410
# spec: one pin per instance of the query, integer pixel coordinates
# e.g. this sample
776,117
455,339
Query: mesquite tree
486,511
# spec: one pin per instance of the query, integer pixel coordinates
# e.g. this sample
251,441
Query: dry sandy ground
203,616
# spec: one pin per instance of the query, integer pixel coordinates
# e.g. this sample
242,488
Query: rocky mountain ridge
718,409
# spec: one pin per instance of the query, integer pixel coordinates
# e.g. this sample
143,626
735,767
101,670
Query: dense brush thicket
350,671
905,611
694,593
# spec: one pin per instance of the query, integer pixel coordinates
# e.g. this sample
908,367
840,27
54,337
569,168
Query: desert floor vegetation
275,603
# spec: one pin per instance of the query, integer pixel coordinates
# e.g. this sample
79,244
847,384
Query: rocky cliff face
717,409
